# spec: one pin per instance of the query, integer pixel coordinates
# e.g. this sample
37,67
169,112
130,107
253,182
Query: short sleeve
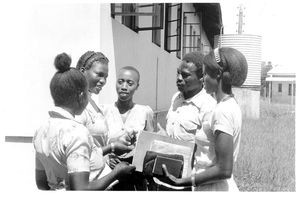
78,151
221,121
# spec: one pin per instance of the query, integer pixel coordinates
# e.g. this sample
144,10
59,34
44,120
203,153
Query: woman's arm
80,180
221,170
116,147
40,175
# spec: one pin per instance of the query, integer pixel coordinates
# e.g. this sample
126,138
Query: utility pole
241,17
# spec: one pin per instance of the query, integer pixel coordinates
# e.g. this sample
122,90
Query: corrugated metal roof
282,70
281,79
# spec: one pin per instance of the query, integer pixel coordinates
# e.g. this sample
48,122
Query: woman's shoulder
144,108
227,107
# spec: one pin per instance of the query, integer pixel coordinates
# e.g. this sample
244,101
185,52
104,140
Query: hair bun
62,62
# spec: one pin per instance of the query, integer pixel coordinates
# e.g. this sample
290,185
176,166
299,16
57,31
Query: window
172,41
294,90
279,87
191,38
129,15
191,33
194,41
156,21
290,90
199,44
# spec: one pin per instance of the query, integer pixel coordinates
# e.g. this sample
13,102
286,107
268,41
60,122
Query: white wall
32,35
132,49
283,96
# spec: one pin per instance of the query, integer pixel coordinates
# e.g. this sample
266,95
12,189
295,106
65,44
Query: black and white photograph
176,96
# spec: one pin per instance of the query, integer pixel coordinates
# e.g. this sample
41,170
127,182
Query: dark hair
132,69
232,68
67,83
197,59
89,57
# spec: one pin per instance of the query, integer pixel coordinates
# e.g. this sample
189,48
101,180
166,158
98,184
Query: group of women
86,146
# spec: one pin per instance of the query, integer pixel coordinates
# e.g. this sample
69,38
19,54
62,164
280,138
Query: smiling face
96,76
187,79
127,83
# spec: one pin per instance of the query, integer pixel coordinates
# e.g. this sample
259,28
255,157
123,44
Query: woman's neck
71,111
124,106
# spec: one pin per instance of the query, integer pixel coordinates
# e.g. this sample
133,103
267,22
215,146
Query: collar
196,99
58,112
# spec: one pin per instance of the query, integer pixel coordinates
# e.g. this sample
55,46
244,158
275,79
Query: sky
274,20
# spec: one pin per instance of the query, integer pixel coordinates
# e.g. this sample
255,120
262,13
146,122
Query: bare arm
40,176
80,180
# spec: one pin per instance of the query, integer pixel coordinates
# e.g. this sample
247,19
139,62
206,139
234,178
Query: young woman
67,156
223,68
94,66
125,120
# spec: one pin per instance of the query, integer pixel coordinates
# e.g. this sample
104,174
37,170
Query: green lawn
266,160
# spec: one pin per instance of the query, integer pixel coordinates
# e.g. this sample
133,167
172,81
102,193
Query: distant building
281,85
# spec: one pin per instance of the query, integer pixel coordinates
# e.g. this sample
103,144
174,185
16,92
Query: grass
266,160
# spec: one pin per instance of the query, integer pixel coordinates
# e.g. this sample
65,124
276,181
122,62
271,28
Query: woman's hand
128,138
120,148
123,169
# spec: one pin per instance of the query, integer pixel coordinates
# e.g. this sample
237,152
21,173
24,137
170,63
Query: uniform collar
58,112
196,99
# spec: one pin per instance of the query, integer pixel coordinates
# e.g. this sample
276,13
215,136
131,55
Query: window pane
156,34
280,87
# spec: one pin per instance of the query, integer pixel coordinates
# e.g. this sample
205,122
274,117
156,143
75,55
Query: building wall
32,38
282,97
157,67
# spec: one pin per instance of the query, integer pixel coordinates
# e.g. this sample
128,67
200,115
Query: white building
281,85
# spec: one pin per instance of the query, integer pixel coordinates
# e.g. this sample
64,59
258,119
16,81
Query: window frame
135,14
168,21
280,87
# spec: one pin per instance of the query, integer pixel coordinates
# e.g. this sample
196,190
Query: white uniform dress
93,118
227,117
64,146
139,118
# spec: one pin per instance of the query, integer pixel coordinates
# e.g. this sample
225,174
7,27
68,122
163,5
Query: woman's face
127,83
96,76
210,83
